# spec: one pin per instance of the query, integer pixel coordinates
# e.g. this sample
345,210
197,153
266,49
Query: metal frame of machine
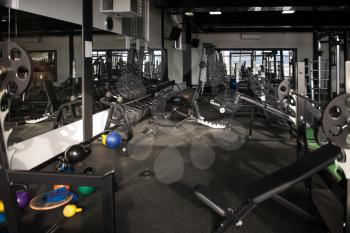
273,184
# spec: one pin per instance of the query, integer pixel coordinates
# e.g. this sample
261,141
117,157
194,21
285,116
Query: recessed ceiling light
255,8
215,12
288,12
189,13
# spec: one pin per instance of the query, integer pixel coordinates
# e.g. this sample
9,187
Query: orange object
57,186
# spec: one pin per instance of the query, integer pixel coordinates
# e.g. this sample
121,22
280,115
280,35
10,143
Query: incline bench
274,184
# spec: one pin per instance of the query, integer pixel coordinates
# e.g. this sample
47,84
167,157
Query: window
44,65
277,62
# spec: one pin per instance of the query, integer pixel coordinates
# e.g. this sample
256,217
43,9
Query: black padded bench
274,184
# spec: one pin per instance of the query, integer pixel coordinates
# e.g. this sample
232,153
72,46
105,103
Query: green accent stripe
313,145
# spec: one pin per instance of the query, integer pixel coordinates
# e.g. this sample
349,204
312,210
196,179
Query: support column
87,91
71,53
162,28
346,46
164,53
109,67
6,195
187,54
300,107
337,55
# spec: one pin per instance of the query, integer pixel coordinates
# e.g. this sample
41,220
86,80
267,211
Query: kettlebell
75,198
104,136
2,207
70,210
87,190
77,153
2,218
22,196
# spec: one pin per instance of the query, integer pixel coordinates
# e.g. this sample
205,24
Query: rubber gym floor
178,160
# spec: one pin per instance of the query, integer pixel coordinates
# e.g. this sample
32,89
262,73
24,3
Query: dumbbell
71,210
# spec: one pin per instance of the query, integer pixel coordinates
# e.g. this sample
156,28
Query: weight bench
274,184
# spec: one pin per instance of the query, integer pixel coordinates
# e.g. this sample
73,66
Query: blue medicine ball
113,140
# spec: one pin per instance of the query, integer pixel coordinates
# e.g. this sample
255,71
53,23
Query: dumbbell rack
142,103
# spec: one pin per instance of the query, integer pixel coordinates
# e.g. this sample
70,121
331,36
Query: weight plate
16,68
260,86
335,121
283,90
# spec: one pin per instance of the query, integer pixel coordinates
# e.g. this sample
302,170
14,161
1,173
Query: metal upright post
108,203
330,67
346,45
6,195
187,55
346,222
312,84
281,65
87,91
11,209
338,64
164,76
301,89
300,104
109,66
319,60
71,52
275,63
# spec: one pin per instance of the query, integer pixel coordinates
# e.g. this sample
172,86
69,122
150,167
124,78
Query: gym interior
163,116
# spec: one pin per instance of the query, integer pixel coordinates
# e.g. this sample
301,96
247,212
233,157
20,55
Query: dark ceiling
28,24
263,15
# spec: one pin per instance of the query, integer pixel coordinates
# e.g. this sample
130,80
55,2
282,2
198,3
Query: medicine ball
113,140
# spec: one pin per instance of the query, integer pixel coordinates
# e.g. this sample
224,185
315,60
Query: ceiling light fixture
216,12
288,12
189,13
255,8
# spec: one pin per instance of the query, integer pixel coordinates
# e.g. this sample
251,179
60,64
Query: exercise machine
336,151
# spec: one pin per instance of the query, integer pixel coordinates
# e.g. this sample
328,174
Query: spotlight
288,12
189,13
215,12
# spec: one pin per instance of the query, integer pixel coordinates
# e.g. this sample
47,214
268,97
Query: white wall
155,40
301,41
175,69
175,64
